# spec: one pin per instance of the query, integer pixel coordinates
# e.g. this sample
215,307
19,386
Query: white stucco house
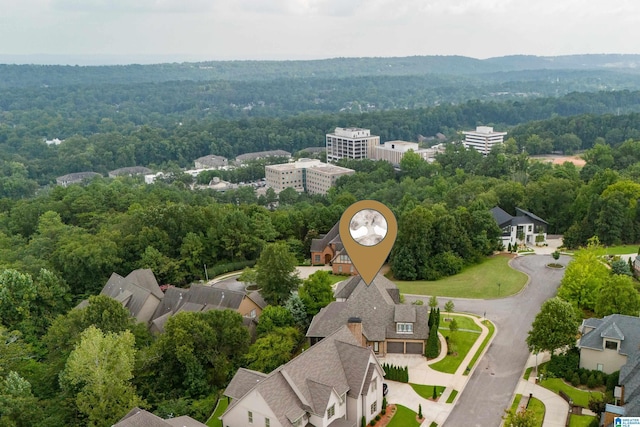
332,384
525,227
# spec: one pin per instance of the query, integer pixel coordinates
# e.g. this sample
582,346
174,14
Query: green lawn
463,322
516,402
580,420
579,397
335,278
462,342
492,330
452,396
477,281
404,417
220,408
538,409
426,391
621,250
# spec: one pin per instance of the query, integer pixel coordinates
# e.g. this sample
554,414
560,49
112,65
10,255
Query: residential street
491,387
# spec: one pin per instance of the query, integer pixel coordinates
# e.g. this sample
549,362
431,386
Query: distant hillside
337,68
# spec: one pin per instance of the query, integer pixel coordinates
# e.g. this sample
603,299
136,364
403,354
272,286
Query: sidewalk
556,408
421,373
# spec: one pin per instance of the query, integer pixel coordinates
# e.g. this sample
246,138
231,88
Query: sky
142,31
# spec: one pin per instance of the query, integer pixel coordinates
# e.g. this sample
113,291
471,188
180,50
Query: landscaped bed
579,397
404,417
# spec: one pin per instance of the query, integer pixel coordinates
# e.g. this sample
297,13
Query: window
374,407
600,367
317,258
267,422
376,346
250,415
331,412
404,328
253,313
611,345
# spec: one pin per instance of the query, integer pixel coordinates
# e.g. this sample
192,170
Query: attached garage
414,348
395,347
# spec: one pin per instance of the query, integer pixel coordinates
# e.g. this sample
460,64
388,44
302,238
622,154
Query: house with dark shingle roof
205,298
138,292
76,178
328,249
607,344
130,171
332,384
385,325
522,228
140,418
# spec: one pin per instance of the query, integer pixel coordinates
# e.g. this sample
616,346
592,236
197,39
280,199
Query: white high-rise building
350,143
483,139
394,151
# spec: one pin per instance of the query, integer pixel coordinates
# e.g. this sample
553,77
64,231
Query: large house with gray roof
138,292
332,384
525,227
205,298
608,343
387,326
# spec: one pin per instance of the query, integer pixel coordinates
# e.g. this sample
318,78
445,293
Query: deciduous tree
618,296
276,273
555,326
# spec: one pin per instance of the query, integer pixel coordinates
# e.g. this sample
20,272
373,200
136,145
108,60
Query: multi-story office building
394,151
483,139
350,143
308,175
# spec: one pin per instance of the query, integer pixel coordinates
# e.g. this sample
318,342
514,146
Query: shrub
372,423
591,381
584,377
612,380
377,417
420,409
575,380
434,395
363,422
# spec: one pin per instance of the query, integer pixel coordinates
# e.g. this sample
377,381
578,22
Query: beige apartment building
308,175
350,143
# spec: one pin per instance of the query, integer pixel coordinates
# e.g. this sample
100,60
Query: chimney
355,326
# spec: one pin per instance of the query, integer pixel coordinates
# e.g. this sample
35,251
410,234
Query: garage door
395,347
414,348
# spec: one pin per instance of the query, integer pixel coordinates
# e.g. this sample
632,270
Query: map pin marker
368,230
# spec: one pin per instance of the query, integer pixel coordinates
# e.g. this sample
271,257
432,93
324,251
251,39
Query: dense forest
59,245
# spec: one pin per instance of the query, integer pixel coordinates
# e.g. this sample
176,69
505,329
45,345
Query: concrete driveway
490,389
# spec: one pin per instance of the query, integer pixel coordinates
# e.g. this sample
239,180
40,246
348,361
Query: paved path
420,372
491,387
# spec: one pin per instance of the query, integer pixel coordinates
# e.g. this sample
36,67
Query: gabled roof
346,287
243,381
502,218
522,212
376,306
630,379
615,326
337,365
140,418
333,236
134,290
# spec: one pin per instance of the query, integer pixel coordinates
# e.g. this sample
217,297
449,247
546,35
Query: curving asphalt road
491,386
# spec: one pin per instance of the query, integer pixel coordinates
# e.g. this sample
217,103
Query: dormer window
404,328
611,345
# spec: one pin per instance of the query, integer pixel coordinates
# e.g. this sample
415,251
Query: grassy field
579,397
452,396
621,250
463,322
477,281
426,391
220,408
404,417
462,342
527,373
580,420
516,402
337,278
492,330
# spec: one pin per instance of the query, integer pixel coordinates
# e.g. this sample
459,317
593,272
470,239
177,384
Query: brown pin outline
368,260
